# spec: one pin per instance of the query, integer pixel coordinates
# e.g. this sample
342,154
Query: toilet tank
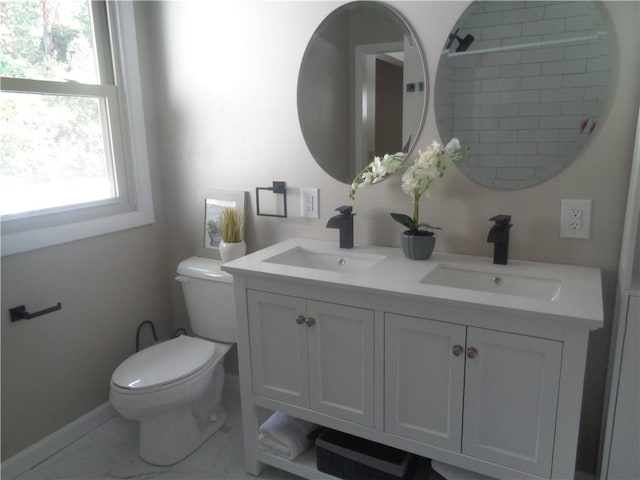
208,294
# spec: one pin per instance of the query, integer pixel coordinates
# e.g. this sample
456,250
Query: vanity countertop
578,299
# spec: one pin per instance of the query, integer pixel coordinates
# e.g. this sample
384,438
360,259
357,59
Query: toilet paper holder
20,312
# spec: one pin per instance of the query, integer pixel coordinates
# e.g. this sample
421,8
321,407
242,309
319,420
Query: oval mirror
523,84
362,88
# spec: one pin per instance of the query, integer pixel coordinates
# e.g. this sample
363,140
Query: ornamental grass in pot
232,245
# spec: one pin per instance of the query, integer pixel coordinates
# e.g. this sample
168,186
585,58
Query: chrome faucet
343,222
499,236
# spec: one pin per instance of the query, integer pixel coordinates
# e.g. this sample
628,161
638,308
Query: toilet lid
164,363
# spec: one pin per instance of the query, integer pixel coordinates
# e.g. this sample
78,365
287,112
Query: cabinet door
625,441
424,376
341,361
278,347
510,400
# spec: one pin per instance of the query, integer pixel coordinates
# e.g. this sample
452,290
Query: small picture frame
210,205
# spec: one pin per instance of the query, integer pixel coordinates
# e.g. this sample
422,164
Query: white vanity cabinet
312,354
488,382
488,394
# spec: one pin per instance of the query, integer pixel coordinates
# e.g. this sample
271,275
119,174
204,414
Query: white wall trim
51,444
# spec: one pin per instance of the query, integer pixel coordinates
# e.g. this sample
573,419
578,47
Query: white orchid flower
452,147
427,168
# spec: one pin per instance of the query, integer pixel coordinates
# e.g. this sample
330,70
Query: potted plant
417,241
232,245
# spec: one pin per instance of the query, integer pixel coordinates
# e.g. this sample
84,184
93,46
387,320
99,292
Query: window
70,109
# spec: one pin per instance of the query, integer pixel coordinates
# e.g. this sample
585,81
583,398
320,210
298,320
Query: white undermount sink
505,280
346,262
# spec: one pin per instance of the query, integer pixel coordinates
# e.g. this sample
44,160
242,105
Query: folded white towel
275,448
285,436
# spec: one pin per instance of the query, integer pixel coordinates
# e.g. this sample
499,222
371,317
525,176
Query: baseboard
51,444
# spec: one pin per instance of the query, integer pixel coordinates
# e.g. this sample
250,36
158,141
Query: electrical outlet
575,218
309,203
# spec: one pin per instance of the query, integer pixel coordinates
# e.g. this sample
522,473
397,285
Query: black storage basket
353,458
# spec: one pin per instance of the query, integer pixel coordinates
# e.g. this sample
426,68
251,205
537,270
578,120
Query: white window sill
33,239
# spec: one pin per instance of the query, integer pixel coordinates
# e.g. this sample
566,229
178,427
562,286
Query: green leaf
405,220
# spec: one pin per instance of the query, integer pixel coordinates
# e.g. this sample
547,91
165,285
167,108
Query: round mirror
362,88
523,84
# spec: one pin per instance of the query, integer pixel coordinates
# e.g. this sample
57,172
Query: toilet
174,388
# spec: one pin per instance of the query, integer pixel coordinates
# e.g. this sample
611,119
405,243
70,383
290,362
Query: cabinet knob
300,319
472,352
311,322
457,350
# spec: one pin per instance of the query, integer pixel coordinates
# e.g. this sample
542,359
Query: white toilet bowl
173,389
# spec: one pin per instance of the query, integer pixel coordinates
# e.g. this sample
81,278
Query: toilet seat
164,364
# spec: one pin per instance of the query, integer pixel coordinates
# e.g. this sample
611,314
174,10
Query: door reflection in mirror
361,89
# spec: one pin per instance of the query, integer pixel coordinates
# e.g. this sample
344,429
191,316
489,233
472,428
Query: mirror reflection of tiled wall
528,93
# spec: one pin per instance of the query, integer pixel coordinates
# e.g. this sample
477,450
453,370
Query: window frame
121,91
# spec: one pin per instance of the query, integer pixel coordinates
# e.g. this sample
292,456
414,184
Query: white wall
231,122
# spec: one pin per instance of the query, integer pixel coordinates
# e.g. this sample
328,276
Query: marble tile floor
110,452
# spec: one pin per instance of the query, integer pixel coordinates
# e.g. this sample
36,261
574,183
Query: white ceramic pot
231,251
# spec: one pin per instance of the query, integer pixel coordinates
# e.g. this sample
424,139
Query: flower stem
416,207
